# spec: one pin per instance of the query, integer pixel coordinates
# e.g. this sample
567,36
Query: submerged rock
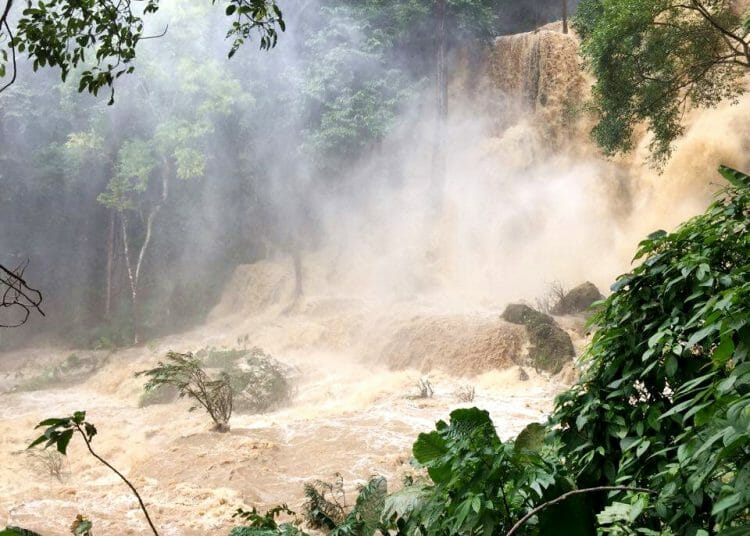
577,300
551,346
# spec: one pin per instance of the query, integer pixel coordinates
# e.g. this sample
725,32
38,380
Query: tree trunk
110,262
134,275
565,16
441,105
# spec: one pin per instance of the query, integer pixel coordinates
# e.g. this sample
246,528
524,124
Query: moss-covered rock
577,300
551,346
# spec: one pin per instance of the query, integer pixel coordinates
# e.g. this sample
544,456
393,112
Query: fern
365,518
324,507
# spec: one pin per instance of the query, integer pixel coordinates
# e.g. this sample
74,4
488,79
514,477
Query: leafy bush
365,517
480,485
465,393
185,372
325,503
265,525
665,403
81,526
223,359
260,382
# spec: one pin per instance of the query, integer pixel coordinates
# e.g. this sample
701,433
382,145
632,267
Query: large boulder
551,346
577,300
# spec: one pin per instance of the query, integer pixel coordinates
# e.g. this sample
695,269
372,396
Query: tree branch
18,294
12,47
6,10
118,473
565,496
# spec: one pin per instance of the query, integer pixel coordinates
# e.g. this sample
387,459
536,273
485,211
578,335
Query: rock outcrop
577,300
551,346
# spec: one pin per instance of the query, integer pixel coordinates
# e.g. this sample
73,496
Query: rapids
394,294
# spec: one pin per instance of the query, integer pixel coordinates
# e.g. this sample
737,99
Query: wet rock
551,346
577,300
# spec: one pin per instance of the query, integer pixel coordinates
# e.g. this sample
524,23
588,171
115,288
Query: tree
664,403
62,33
185,372
97,40
653,59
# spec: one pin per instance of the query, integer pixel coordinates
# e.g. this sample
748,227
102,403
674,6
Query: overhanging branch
17,297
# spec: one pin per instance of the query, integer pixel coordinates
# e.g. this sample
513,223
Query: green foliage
81,526
18,531
324,503
186,374
99,39
665,401
652,58
136,162
265,525
59,432
223,359
164,394
259,382
72,370
480,485
365,517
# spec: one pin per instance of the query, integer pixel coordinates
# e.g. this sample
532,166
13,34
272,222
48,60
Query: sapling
185,372
59,432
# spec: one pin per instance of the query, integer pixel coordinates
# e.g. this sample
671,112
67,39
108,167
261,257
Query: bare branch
17,295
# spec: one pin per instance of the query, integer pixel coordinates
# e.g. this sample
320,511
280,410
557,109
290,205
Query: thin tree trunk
134,275
110,262
131,276
441,105
565,15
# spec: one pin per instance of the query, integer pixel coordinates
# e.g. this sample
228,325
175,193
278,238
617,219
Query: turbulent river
390,296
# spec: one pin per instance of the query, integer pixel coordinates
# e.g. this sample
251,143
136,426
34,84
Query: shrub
365,517
72,370
260,382
265,525
665,402
184,372
465,393
553,295
325,503
49,462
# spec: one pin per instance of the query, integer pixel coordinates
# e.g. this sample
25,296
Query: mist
288,201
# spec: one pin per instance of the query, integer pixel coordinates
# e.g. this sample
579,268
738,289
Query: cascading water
392,293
